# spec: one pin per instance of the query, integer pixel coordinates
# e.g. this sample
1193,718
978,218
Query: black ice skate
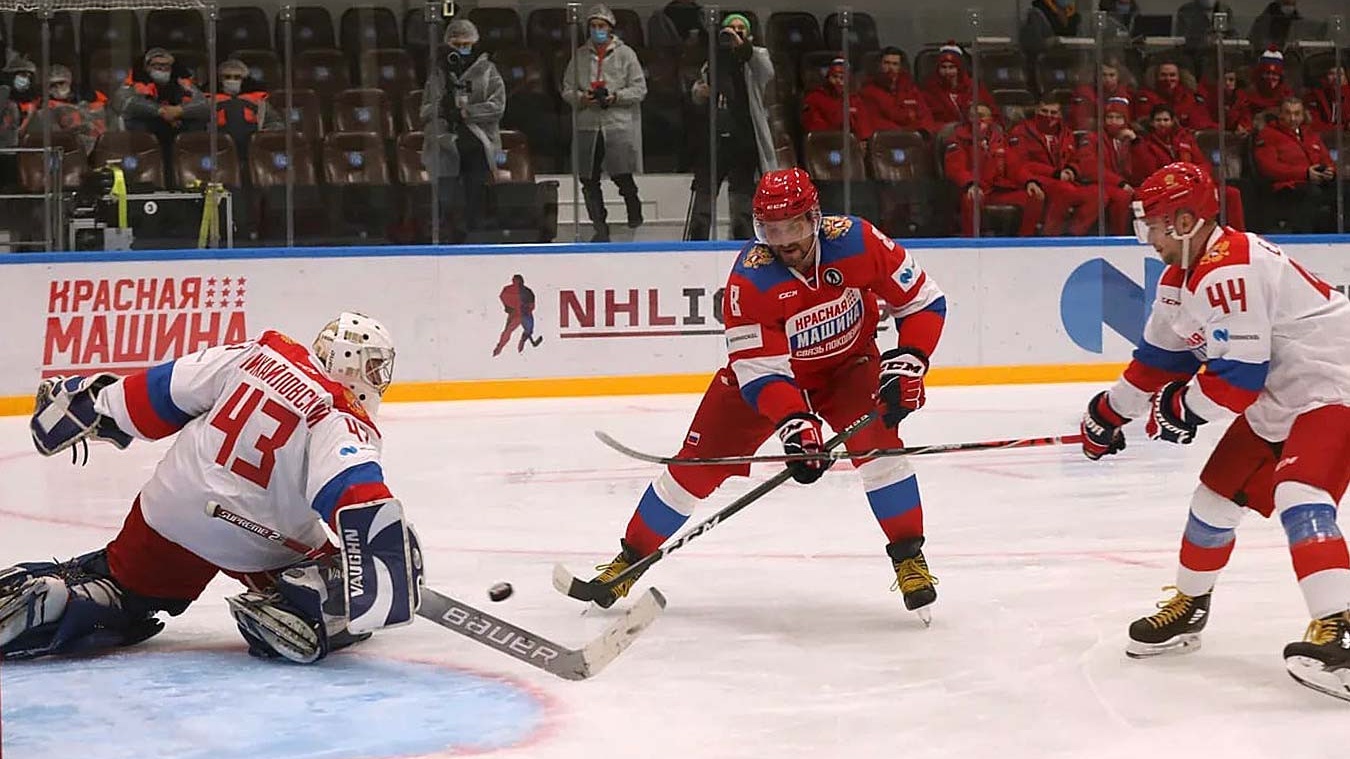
626,558
1174,629
1321,660
912,577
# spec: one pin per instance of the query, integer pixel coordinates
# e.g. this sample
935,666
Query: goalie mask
358,351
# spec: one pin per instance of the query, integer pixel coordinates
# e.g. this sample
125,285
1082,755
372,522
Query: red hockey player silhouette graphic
518,300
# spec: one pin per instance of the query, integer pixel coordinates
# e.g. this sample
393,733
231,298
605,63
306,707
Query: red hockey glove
1101,425
901,383
801,433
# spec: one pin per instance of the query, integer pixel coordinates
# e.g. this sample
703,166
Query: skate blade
925,615
1180,644
1311,673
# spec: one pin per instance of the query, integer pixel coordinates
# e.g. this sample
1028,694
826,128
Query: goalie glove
1170,419
900,383
65,415
801,433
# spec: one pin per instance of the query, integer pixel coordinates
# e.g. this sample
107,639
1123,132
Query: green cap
734,16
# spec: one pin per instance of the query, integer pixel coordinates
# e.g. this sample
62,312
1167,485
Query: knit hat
602,12
1271,60
58,72
1119,105
461,29
951,53
838,64
737,17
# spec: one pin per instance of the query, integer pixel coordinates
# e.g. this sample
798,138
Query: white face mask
232,86
160,77
61,93
21,82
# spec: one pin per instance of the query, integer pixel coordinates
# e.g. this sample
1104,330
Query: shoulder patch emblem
835,227
759,256
1216,254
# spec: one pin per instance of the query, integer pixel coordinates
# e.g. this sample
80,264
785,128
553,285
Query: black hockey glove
1101,425
801,433
900,388
1170,420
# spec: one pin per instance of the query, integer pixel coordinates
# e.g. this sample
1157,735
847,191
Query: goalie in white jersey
1274,342
277,435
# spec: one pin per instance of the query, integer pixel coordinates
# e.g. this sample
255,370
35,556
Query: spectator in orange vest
896,101
1167,142
1042,147
948,90
823,107
1116,83
1111,147
82,113
241,107
1176,89
1267,89
999,183
1327,103
152,98
1293,158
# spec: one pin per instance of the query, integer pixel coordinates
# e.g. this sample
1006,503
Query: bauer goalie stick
592,590
835,455
497,634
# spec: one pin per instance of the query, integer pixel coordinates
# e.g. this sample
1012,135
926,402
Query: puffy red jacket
1153,151
1116,163
1040,155
1321,105
1284,156
823,111
1188,106
997,171
898,105
951,106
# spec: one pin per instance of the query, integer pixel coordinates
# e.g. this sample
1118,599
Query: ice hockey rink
781,638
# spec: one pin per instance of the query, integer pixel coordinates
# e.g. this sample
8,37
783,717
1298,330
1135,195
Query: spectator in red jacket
1233,100
1000,183
1267,89
823,107
895,99
1292,157
949,91
1328,100
1042,147
1111,147
1176,89
1115,80
1167,142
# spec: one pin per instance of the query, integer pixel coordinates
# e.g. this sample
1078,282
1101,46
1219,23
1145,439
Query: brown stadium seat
1063,69
546,30
1003,69
27,36
414,225
902,164
117,30
497,27
171,28
824,159
522,70
408,159
525,210
311,28
74,165
268,163
366,27
792,34
533,106
139,155
1229,162
355,168
264,67
242,28
323,70
363,110
306,115
108,69
388,69
193,163
411,112
862,35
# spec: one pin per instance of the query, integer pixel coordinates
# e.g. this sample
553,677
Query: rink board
614,319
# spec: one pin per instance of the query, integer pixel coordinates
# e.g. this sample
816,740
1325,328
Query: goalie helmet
358,351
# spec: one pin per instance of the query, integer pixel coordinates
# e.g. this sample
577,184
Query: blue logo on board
1097,295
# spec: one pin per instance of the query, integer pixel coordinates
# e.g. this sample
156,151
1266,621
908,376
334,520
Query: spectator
1293,158
1266,92
240,110
823,107
1042,147
462,107
744,146
1327,102
1047,19
152,99
1234,102
82,113
1168,142
1120,16
1272,26
948,90
1116,82
605,84
679,23
895,99
999,180
1195,22
1174,88
1111,147
22,87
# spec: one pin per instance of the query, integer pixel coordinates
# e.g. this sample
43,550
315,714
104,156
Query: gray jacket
621,122
484,103
758,78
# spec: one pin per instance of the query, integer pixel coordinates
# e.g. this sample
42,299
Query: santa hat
1119,105
951,53
1271,60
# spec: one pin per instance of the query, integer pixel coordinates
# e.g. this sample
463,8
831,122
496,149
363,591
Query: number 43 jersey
1273,338
263,431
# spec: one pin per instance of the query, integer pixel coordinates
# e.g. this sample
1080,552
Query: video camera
600,93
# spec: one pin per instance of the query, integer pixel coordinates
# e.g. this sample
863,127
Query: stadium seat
363,110
193,163
497,27
355,168
416,32
664,118
242,28
862,35
139,155
542,118
366,27
172,28
306,112
264,67
388,69
323,70
1003,69
27,36
311,28
1227,163
901,163
823,155
116,30
792,33
410,112
525,210
522,70
1063,69
546,30
268,163
74,165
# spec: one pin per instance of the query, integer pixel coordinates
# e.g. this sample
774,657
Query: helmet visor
1140,225
788,231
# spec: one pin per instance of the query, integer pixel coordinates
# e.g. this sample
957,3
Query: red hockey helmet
1174,188
786,207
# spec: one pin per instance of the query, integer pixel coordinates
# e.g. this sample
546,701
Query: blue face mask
464,52
601,36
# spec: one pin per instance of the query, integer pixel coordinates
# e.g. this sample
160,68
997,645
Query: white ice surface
781,639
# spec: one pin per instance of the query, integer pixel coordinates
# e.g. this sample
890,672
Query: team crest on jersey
759,255
1218,253
826,329
835,227
833,277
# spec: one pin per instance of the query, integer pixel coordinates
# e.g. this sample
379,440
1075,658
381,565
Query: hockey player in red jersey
278,435
800,309
1274,342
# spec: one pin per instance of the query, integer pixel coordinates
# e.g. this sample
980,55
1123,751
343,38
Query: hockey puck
501,591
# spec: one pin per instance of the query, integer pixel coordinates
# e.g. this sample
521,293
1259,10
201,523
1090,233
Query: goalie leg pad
382,563
302,619
65,415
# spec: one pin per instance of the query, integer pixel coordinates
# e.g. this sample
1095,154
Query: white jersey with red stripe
263,431
1273,338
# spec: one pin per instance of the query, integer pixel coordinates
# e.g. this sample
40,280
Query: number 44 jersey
263,431
1273,338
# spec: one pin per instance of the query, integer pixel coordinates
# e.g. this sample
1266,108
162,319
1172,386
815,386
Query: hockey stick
835,455
500,635
591,590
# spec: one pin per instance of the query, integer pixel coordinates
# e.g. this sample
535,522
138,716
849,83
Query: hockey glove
1170,420
65,415
901,383
1101,425
801,433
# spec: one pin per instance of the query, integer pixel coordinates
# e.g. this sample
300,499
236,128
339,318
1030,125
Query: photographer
462,107
744,144
605,84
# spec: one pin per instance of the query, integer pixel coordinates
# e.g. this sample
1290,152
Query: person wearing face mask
897,102
1046,20
152,98
16,102
1174,88
1042,147
1296,163
947,91
1267,90
1116,82
1001,181
1166,141
745,144
240,105
71,110
823,107
1113,145
1272,26
23,89
605,84
462,107
1327,103
1195,22
1233,99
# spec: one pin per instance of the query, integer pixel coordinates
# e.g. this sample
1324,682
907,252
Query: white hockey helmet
358,351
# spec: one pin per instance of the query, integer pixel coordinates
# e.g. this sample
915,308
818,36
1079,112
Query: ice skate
626,558
1321,660
1175,628
912,578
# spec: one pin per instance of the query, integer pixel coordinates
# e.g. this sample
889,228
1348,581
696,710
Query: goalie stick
835,455
516,642
590,590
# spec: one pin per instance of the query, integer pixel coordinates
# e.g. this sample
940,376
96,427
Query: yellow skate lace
613,569
912,574
1323,631
1173,608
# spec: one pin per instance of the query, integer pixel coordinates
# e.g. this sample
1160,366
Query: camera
728,37
601,95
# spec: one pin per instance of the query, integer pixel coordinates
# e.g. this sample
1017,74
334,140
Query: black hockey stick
591,590
835,455
497,634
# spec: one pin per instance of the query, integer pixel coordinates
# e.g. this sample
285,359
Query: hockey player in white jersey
269,430
1274,342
